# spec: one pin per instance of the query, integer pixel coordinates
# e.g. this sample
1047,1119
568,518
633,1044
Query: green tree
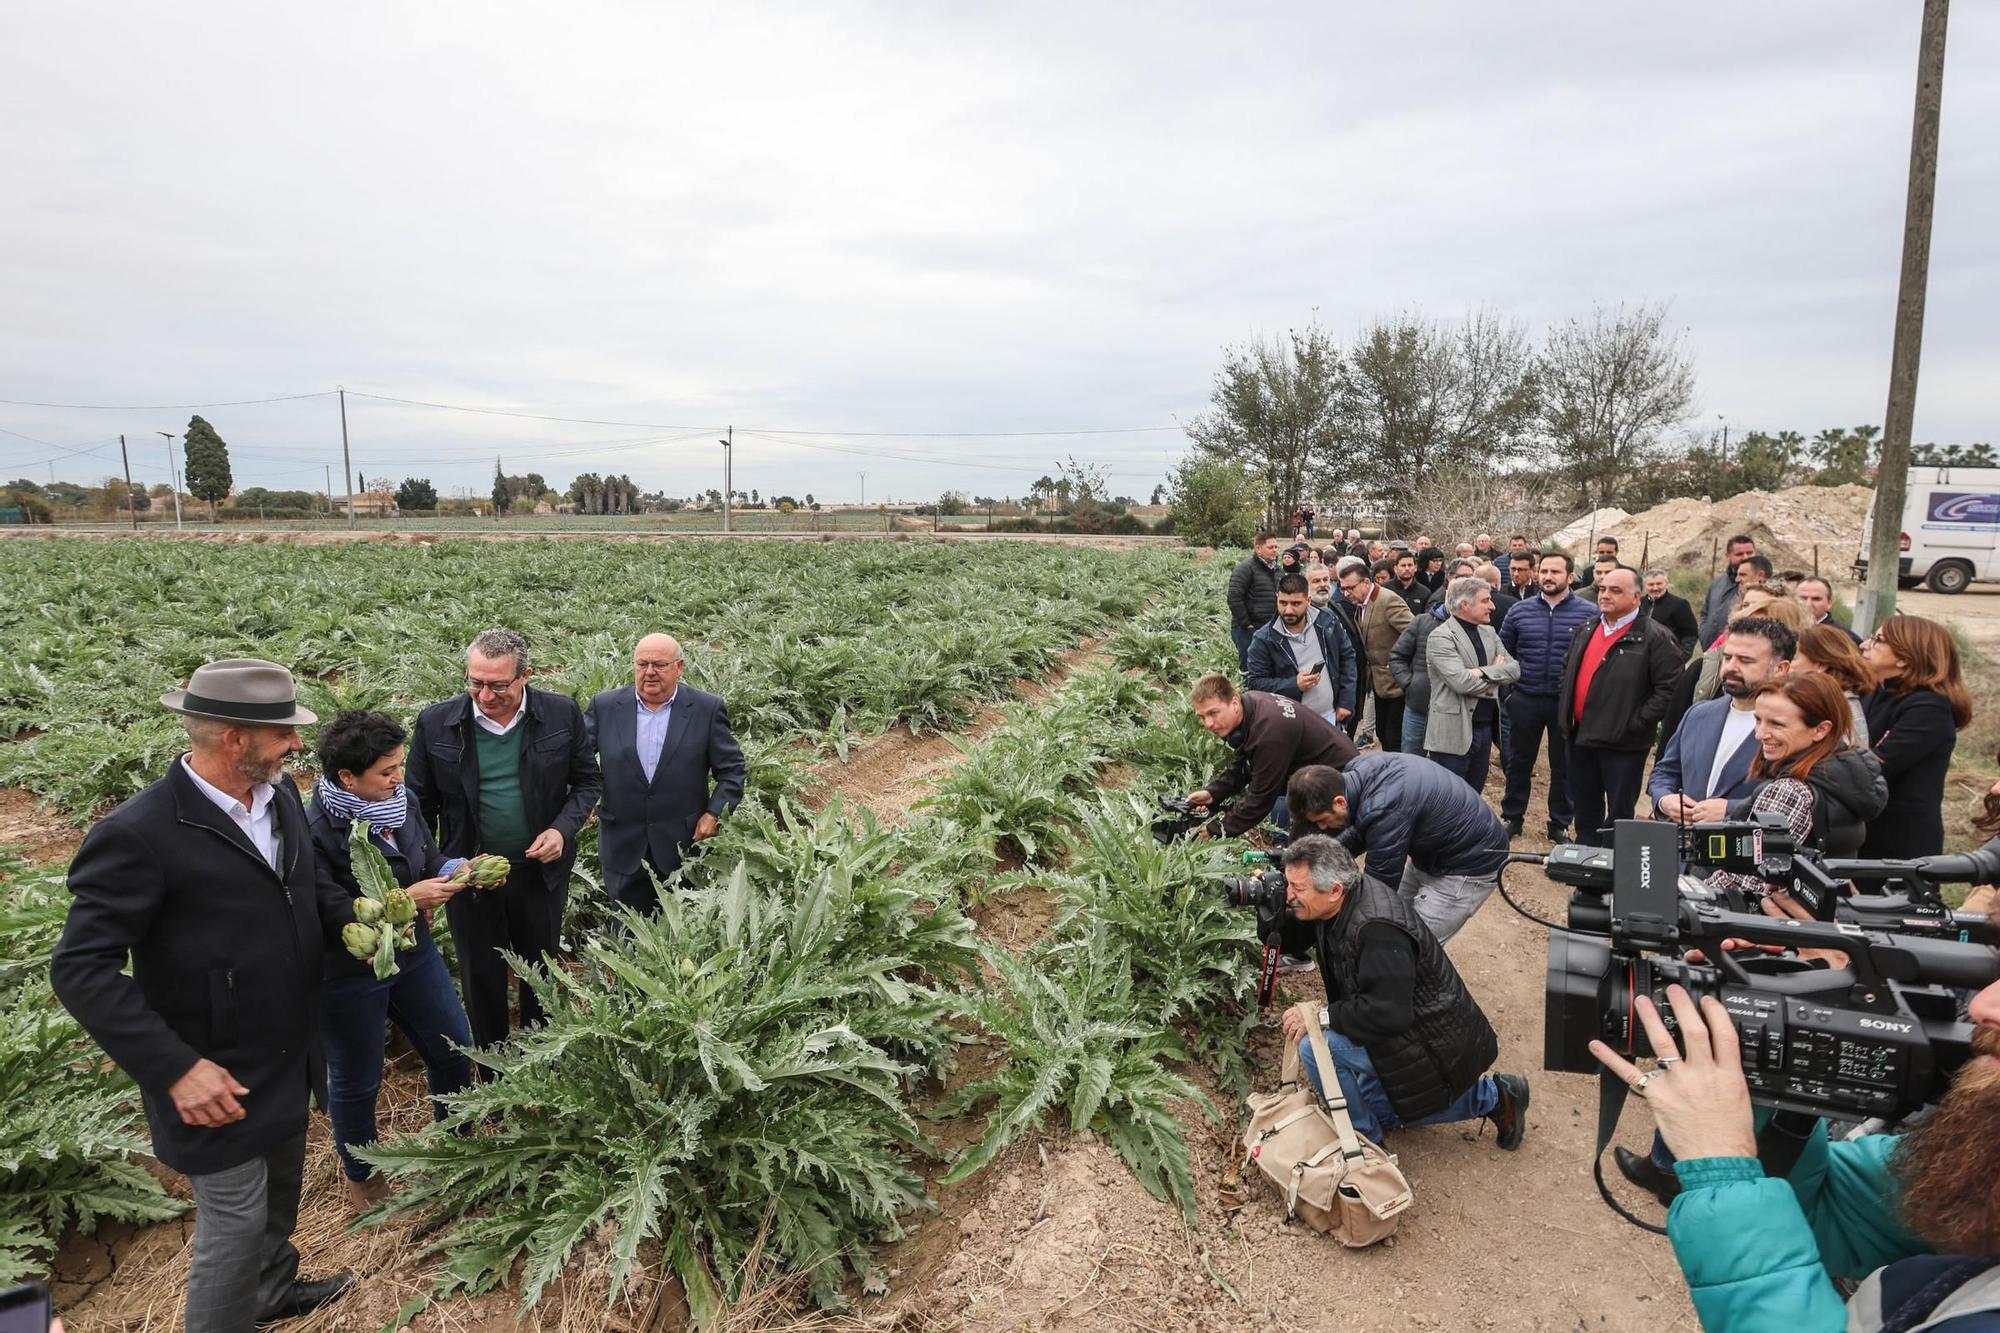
1419,398
1274,411
1845,457
1610,387
1978,455
416,493
1214,502
207,474
503,490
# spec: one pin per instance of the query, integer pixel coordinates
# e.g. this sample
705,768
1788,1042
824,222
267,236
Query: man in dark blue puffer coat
1426,833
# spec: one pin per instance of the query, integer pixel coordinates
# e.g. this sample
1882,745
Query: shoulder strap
1332,1100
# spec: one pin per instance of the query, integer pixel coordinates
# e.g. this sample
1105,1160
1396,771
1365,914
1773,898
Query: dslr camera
1264,893
1876,1038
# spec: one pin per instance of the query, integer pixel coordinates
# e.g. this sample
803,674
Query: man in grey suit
658,742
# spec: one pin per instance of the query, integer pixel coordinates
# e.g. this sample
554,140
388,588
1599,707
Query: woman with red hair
1914,717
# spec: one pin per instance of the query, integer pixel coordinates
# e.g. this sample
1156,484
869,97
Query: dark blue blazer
1689,756
654,821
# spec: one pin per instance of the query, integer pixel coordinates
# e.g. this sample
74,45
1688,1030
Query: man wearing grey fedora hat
205,884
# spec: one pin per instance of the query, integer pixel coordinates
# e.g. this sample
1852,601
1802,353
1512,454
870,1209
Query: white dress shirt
258,820
494,727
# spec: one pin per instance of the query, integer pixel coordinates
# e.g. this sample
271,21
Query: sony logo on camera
1885,1025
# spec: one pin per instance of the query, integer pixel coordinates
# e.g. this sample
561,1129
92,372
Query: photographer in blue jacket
1918,1213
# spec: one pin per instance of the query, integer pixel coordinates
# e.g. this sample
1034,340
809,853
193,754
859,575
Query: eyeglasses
659,666
489,686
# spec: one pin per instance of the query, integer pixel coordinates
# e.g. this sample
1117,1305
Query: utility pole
131,500
173,477
728,480
864,489
329,490
346,459
1878,596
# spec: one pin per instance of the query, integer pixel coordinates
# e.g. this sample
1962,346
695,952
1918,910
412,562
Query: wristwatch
1325,1018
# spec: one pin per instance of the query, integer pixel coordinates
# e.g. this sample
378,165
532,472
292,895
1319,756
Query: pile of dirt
1800,528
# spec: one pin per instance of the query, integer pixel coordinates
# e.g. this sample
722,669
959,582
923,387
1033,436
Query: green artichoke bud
367,911
483,871
400,909
360,939
687,968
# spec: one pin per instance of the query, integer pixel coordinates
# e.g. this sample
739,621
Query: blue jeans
1471,765
1281,815
1414,726
353,1009
1368,1105
1241,638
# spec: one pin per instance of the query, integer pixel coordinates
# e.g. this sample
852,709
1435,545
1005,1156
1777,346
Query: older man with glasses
505,769
659,741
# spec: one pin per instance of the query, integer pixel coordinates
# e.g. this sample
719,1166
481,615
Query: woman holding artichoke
361,780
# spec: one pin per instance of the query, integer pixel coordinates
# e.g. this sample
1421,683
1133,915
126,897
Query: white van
1951,528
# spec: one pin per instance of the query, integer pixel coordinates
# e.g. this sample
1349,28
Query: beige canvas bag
1332,1178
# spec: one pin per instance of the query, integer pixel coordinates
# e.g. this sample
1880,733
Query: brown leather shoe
365,1194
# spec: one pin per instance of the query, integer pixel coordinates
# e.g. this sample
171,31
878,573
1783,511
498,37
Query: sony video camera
1877,1038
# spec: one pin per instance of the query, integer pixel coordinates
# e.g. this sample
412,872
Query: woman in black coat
361,777
1914,718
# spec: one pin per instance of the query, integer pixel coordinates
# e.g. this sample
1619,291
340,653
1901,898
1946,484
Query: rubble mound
1800,528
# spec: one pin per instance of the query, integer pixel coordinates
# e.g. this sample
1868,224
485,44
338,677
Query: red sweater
1593,657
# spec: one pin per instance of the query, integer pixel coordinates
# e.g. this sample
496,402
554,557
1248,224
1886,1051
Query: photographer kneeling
1410,1044
1917,1212
1273,738
1428,836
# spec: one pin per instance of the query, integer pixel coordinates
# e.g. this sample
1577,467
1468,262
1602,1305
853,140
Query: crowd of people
204,945
1759,704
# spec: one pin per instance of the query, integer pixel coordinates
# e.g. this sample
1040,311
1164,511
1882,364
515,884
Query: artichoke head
367,911
399,908
360,939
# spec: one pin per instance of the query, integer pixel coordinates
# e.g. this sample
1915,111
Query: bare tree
1421,397
1610,387
1274,410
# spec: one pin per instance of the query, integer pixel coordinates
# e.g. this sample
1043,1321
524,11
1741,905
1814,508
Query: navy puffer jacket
1404,808
1537,636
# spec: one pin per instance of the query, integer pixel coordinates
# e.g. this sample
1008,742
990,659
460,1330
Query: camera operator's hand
1700,1102
1294,1022
1200,799
1981,899
1783,906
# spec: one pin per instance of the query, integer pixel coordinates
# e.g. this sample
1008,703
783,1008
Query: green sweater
503,821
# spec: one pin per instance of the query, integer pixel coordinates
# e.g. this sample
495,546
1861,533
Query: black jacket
1407,666
226,957
410,850
559,778
1253,593
1351,626
1406,809
1416,596
1276,739
1913,736
640,820
1674,612
1448,1044
1630,692
1848,795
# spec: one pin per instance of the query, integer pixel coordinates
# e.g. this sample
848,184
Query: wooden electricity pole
131,497
1878,597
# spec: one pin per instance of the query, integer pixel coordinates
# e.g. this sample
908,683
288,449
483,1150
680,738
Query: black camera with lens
1264,893
1875,1038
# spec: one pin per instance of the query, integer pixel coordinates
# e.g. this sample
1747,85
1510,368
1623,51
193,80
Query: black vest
1450,1045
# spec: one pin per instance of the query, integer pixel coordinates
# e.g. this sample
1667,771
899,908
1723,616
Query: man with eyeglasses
506,769
658,743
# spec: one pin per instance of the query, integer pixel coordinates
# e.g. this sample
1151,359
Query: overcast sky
934,218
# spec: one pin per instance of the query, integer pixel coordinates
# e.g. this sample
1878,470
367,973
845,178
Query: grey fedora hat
241,689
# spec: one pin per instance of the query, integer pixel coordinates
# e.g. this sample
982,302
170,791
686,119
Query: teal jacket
1760,1254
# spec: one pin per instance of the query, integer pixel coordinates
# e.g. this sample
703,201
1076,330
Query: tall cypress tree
208,475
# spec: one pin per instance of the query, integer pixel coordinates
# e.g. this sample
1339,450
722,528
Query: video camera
1875,1038
1180,820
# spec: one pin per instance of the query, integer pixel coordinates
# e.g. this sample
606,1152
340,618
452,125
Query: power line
853,434
165,407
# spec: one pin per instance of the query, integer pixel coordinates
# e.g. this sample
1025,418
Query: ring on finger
1667,1060
1639,1083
